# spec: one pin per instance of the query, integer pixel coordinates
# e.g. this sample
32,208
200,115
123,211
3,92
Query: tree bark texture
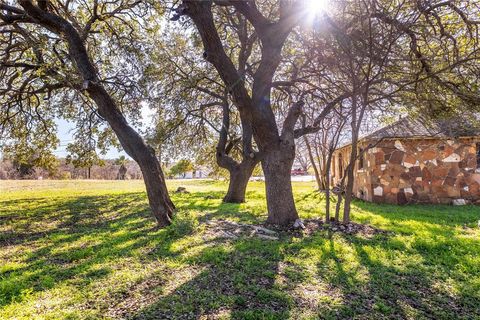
328,166
239,177
277,167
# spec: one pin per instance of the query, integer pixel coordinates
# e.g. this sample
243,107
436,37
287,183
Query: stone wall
404,171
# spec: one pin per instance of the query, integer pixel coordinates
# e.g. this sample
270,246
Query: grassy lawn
90,250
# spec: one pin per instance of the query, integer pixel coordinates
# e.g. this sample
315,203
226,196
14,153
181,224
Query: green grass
90,250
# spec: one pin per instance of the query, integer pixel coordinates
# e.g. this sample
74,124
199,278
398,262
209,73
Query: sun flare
317,6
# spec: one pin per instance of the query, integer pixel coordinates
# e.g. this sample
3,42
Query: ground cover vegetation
76,250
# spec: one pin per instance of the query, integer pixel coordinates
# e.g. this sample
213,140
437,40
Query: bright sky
317,6
66,137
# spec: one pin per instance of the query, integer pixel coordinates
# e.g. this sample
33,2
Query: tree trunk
337,207
349,186
240,173
355,125
277,151
158,198
239,177
277,166
323,174
320,184
134,145
328,166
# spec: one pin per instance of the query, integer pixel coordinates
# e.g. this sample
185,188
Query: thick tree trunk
158,198
277,166
277,151
239,177
241,172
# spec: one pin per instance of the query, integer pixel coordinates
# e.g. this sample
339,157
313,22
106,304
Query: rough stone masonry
409,169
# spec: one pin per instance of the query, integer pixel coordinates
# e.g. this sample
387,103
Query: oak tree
54,49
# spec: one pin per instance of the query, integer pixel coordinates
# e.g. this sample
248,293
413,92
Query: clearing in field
90,250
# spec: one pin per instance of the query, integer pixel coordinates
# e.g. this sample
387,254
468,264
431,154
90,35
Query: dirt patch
313,225
223,229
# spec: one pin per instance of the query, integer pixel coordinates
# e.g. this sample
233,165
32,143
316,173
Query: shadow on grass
69,239
444,215
377,278
78,240
411,291
31,219
65,239
240,280
235,279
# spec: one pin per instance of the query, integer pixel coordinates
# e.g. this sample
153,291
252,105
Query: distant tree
24,169
181,167
83,158
301,156
122,171
26,157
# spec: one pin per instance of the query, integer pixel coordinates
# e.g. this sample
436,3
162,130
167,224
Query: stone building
411,161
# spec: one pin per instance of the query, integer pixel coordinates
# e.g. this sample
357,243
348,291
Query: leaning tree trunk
239,177
277,166
159,200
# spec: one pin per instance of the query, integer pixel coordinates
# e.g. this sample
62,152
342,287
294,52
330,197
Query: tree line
64,169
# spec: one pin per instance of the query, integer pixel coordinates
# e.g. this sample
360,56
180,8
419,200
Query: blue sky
65,135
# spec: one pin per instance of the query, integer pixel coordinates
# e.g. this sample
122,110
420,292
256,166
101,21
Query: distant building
197,173
412,161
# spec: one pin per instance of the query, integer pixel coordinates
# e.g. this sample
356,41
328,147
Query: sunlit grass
90,250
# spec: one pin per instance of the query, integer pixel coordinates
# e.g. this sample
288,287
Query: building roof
420,127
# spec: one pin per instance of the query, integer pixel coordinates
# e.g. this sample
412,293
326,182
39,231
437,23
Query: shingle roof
427,128
420,127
